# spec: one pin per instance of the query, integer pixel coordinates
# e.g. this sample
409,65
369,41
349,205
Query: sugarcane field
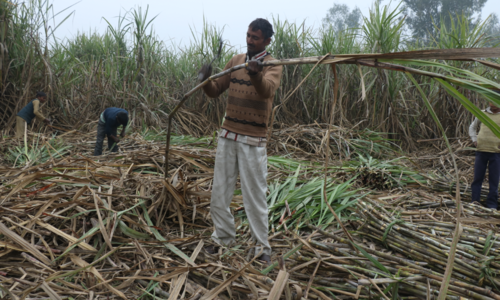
355,159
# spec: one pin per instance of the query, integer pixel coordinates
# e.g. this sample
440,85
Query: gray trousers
101,134
251,163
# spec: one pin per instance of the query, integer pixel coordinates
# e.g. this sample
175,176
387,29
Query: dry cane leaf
80,262
52,294
25,245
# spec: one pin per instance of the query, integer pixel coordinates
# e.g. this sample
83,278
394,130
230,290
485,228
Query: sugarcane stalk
445,244
434,257
396,243
406,241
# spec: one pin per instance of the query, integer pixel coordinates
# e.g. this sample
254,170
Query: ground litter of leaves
80,227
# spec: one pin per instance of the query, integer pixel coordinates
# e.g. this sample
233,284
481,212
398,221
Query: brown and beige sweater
250,99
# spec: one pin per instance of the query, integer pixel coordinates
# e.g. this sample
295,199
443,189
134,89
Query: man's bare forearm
114,138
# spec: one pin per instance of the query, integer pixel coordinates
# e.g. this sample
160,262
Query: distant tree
493,29
340,17
423,14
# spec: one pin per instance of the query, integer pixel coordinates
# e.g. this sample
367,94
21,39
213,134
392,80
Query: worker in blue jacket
29,112
109,121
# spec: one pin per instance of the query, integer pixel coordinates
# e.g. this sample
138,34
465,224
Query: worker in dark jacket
29,112
109,121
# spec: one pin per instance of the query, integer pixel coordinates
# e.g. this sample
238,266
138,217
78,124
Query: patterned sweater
250,98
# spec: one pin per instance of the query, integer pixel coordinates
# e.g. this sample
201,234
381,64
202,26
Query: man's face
256,42
42,99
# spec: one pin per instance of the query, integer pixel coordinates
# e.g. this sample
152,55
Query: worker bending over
109,121
29,112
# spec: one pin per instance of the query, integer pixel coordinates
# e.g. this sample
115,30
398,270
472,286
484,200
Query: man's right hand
204,73
475,144
46,121
115,139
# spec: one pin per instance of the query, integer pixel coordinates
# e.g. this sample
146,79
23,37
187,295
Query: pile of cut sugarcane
79,227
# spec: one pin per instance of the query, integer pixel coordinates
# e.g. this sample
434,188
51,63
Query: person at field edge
109,121
487,156
242,140
29,112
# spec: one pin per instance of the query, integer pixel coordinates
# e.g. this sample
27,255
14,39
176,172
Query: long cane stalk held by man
377,60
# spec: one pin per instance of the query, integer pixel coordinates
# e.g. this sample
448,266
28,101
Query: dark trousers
492,161
101,134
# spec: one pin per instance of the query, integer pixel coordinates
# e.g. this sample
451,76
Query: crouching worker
109,121
29,112
487,156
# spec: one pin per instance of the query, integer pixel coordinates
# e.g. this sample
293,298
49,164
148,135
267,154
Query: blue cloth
110,121
27,113
492,162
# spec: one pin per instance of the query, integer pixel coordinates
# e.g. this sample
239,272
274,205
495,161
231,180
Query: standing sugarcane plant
462,78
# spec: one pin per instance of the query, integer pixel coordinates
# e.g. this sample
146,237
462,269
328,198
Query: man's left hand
254,67
122,134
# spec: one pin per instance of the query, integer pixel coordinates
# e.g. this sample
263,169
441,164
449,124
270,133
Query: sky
176,18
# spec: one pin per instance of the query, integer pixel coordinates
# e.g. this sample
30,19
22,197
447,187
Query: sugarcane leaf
70,273
451,260
487,242
131,232
372,259
431,110
150,287
471,107
275,264
161,238
94,230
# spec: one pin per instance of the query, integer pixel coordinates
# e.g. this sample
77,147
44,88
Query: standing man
29,112
242,140
487,155
109,121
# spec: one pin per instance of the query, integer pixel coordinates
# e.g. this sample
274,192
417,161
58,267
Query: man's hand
115,139
122,135
254,67
475,144
205,72
46,121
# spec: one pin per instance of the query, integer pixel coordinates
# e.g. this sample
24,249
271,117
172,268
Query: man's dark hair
41,94
264,26
122,118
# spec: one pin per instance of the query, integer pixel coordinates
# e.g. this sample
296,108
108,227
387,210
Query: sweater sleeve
473,129
216,87
267,83
36,110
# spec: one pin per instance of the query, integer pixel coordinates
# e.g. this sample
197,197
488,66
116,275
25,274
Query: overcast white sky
176,17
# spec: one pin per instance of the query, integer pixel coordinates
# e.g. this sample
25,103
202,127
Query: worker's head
122,118
259,36
41,96
493,107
